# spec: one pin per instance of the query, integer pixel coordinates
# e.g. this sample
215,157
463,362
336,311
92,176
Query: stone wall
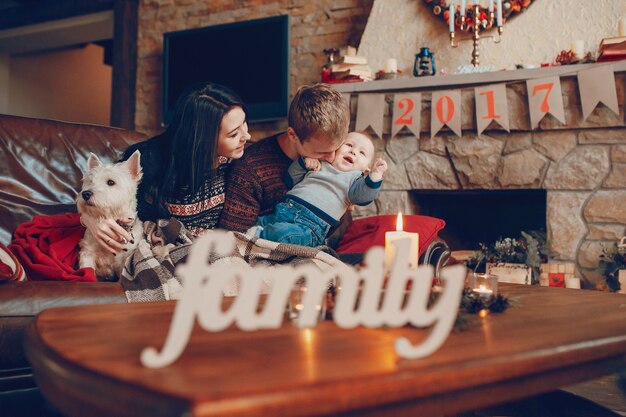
315,25
581,164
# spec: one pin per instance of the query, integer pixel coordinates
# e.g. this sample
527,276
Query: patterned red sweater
255,183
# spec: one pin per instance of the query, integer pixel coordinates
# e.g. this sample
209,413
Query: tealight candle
483,291
390,249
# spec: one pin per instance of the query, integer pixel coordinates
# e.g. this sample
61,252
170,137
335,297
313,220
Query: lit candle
451,14
491,6
578,48
463,8
391,65
390,249
483,291
499,13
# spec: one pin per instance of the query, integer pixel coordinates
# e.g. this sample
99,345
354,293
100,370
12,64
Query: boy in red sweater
318,124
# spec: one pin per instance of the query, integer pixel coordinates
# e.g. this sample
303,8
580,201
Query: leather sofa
41,165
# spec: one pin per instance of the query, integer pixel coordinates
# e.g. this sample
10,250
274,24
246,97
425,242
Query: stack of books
350,68
612,49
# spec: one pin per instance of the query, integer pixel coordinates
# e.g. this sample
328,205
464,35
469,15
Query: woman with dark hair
184,167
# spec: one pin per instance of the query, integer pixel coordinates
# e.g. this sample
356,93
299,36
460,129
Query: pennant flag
544,96
445,110
407,111
597,85
370,111
491,105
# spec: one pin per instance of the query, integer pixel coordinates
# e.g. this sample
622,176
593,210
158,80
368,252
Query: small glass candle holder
296,305
484,285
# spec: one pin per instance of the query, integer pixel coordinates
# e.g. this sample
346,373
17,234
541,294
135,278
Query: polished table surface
86,361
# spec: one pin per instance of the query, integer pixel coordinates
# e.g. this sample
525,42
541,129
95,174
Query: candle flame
482,288
399,222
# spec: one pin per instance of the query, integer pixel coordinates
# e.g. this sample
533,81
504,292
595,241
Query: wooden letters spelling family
202,297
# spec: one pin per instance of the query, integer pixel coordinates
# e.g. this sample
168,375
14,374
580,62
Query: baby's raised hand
378,169
312,164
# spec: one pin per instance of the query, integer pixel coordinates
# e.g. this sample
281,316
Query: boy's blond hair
319,108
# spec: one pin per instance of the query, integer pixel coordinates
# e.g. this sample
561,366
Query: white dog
109,192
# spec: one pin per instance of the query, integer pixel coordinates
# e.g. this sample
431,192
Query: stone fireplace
580,165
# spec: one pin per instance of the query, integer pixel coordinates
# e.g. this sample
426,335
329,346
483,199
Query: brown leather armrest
29,298
21,301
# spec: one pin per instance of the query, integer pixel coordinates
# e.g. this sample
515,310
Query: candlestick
391,65
499,13
451,14
390,249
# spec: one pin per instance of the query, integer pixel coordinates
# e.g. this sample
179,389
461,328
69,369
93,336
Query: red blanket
47,248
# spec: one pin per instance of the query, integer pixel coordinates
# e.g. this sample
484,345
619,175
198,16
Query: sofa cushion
366,232
41,165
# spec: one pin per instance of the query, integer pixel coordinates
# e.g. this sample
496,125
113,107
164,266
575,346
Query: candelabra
479,21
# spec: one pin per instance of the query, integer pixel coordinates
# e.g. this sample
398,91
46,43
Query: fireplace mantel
580,163
468,80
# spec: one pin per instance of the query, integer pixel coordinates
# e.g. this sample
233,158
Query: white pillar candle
451,14
463,8
578,47
572,282
491,5
391,65
390,249
621,26
499,13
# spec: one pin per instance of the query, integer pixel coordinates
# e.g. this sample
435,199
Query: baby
322,192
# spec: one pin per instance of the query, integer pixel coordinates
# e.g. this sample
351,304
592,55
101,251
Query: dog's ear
93,161
134,166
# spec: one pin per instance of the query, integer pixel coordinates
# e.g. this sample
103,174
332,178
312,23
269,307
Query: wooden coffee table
86,361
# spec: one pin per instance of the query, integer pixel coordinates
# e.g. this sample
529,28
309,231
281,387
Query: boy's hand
312,164
378,169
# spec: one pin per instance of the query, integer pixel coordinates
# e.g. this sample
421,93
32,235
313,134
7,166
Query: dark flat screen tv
251,57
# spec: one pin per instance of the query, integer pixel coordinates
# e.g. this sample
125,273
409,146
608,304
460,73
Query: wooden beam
124,64
30,12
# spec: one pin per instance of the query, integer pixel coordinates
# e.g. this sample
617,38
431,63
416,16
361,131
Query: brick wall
315,25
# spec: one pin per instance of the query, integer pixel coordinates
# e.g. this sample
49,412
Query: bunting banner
407,109
597,85
370,112
544,96
491,105
445,111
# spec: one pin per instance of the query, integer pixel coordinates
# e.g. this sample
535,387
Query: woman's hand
109,234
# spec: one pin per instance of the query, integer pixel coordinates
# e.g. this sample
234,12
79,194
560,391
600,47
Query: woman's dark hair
186,152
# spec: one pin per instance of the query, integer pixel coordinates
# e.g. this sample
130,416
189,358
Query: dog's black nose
86,195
